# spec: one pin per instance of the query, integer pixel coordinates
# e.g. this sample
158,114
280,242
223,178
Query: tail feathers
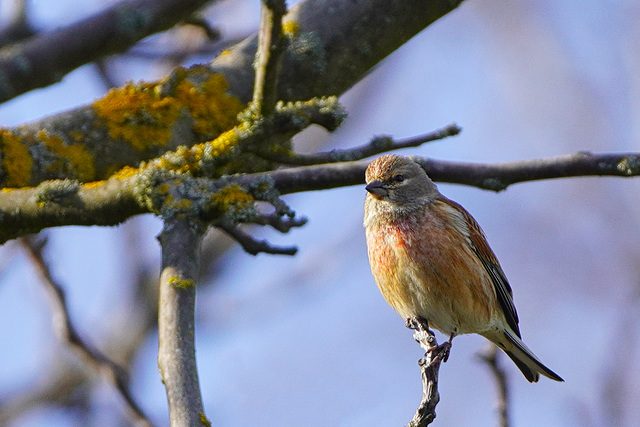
528,363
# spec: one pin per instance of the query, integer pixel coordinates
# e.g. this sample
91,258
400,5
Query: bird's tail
528,363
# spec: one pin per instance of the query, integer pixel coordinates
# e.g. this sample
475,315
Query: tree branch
23,211
332,45
253,246
378,145
46,58
66,332
491,359
271,46
429,368
180,240
18,28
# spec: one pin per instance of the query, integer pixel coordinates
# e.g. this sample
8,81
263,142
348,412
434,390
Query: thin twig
180,241
65,330
378,145
253,246
278,222
491,358
429,368
271,45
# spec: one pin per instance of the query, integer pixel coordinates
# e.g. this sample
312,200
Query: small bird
431,260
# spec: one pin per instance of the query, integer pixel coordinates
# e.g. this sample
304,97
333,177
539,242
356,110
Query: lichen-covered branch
46,58
137,191
67,332
332,44
180,240
271,44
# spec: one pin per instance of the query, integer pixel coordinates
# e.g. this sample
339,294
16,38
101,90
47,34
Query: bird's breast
424,269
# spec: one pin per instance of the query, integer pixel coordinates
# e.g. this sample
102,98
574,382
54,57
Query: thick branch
23,211
180,242
45,59
332,45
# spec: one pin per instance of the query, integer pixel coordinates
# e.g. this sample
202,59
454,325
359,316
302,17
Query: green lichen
629,166
494,184
307,51
179,183
56,191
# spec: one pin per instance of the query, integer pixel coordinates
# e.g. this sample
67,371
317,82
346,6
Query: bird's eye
398,178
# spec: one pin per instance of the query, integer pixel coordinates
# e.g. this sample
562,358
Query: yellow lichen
94,184
204,421
16,160
77,135
211,108
142,114
219,146
290,28
138,115
179,283
232,197
126,172
72,156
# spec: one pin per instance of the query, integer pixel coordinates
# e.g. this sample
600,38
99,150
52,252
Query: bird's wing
476,238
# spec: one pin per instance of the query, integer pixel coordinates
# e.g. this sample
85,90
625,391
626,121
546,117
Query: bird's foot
440,352
418,323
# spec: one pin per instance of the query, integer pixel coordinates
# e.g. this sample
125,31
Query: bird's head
400,181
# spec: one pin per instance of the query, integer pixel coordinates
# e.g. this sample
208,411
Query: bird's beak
377,189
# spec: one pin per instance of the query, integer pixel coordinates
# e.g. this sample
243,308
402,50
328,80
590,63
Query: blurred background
308,340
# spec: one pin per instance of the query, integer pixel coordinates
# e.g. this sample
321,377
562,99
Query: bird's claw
440,352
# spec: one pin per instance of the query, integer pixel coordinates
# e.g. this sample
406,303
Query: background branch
490,357
46,58
109,370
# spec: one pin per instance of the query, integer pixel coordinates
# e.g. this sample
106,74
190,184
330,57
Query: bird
431,261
